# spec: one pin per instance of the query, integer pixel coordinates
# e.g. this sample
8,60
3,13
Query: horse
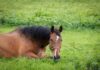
31,42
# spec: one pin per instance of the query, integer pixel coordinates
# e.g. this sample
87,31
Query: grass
81,36
80,51
69,13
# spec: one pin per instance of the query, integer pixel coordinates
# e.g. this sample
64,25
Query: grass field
81,36
80,51
69,13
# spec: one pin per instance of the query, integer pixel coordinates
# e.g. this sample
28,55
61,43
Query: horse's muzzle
56,58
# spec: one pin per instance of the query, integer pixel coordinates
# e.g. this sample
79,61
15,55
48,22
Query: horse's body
21,41
27,41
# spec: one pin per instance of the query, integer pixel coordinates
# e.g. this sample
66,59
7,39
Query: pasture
69,13
81,36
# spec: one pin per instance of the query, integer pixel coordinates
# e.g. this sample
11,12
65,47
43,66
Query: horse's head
55,41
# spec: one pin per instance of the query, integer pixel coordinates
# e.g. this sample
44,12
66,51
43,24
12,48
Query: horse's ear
60,28
52,28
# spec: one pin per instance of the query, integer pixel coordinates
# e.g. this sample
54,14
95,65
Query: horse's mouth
55,58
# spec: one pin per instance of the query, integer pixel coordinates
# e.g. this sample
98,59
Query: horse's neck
43,44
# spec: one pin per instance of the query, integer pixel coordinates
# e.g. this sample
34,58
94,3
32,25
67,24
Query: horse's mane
36,33
40,34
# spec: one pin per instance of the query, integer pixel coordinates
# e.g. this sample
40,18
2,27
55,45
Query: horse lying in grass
31,42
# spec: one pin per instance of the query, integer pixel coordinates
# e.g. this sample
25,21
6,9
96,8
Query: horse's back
21,41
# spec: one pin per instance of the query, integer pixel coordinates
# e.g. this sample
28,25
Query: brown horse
31,42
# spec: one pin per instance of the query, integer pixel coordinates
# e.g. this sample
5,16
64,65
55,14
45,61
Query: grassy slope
80,50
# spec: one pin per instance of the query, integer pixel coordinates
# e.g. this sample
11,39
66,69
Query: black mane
40,34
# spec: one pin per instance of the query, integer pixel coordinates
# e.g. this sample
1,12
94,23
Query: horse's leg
31,55
41,53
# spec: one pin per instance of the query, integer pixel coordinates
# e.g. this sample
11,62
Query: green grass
69,13
80,51
81,36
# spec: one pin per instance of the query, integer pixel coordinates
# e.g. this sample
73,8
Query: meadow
69,13
81,36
